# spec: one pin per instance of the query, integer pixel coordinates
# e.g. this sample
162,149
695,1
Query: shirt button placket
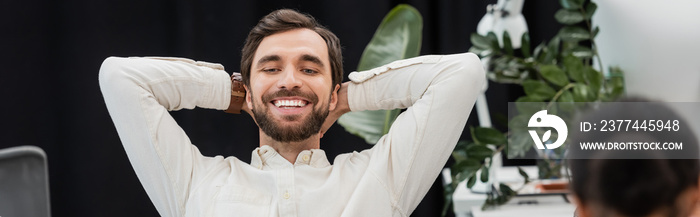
286,186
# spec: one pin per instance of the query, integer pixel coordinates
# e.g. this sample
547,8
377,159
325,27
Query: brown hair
284,20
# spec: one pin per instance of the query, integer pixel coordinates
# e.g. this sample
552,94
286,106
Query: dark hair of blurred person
606,186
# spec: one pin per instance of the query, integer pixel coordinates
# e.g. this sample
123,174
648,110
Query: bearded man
291,73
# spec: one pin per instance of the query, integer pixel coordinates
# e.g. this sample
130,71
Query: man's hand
341,108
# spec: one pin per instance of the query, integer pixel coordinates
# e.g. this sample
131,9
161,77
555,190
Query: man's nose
289,80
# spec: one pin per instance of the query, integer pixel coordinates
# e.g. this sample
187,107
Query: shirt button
305,158
286,195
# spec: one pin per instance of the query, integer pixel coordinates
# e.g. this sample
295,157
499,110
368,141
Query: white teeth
290,103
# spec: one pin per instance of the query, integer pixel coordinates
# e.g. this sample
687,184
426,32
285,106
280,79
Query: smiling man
291,74
290,71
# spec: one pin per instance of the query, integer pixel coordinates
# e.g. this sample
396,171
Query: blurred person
642,183
291,73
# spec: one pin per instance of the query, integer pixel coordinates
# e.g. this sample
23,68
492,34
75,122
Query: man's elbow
470,70
111,70
114,75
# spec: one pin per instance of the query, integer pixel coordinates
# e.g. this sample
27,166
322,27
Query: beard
308,127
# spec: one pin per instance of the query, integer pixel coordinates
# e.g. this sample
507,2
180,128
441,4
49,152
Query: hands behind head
341,108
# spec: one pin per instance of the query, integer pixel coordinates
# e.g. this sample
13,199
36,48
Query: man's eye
309,71
270,70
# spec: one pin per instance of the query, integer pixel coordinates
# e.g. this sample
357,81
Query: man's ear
334,98
248,100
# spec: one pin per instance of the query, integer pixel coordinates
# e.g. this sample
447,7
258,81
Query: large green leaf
595,79
525,45
471,181
554,74
480,41
569,17
493,39
398,37
570,4
485,136
538,90
553,49
582,52
591,7
465,169
574,33
507,43
582,93
460,152
595,32
485,174
574,67
479,152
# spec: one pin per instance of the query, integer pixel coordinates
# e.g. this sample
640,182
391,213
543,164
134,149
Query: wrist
342,106
237,94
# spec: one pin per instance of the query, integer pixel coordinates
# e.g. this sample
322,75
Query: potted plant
558,71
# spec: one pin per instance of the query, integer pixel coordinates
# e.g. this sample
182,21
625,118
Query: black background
50,53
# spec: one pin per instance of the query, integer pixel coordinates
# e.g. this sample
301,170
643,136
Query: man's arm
439,93
138,93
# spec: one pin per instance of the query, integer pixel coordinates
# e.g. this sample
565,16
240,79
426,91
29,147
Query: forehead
293,44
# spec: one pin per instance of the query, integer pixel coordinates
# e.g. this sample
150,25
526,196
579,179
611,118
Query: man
292,71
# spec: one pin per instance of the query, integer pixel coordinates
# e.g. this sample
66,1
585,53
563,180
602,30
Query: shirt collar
266,157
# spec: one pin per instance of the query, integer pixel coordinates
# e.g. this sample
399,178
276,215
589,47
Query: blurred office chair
24,182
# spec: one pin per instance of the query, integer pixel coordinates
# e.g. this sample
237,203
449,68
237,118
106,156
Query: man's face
290,85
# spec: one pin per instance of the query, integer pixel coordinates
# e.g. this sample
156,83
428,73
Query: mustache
289,93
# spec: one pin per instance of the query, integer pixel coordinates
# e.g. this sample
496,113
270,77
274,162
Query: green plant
398,37
558,71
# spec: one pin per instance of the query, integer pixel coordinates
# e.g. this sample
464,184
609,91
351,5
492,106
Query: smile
289,103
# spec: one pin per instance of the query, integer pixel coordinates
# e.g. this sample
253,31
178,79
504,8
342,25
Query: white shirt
390,179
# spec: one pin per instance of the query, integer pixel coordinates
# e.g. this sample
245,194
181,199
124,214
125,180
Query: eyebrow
269,58
311,58
305,57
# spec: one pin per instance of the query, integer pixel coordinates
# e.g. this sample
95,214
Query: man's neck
290,150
